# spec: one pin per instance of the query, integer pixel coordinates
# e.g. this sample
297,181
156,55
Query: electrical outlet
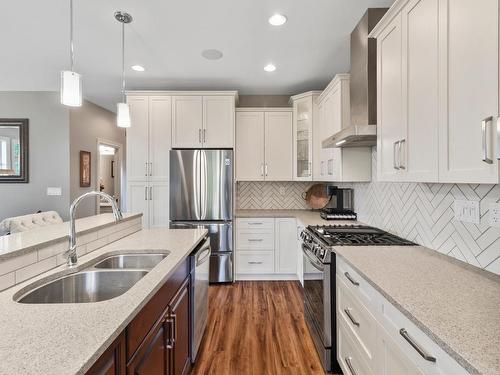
495,215
467,211
54,191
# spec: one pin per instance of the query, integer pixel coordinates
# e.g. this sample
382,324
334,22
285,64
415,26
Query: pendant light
123,112
71,82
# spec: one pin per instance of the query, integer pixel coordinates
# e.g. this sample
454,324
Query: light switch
467,211
54,191
495,215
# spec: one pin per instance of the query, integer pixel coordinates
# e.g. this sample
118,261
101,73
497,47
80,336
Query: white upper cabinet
438,91
419,141
218,121
203,121
138,139
187,121
278,146
263,144
389,103
470,84
303,137
338,164
249,146
160,121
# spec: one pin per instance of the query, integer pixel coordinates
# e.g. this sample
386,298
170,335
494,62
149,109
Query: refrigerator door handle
203,185
196,178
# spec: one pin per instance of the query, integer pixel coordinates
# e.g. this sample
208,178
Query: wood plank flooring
257,328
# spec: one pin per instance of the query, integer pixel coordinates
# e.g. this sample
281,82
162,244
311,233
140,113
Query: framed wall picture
85,168
14,140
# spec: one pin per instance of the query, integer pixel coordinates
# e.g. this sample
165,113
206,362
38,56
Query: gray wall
87,124
48,154
264,101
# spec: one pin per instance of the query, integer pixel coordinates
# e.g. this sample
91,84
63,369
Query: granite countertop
69,338
24,242
457,305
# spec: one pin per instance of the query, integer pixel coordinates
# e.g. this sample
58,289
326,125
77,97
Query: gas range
320,239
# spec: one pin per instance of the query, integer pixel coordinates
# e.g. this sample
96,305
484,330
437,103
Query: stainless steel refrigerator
201,194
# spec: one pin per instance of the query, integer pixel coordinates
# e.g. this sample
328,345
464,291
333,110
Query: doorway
109,174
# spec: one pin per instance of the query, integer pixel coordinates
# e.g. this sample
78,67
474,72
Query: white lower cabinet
374,337
266,249
150,199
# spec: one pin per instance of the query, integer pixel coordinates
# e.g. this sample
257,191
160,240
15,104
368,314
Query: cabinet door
389,91
160,133
112,362
158,205
286,246
187,121
300,256
278,146
218,121
419,147
179,312
138,200
318,151
250,146
469,95
152,356
302,139
393,360
334,119
137,139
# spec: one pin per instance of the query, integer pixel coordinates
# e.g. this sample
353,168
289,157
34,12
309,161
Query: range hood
363,87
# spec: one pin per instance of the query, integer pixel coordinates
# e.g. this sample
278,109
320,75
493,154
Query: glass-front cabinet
304,111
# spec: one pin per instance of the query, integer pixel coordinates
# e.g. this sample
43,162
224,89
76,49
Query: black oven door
317,298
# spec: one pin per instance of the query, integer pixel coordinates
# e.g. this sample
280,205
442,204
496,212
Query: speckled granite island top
455,304
68,338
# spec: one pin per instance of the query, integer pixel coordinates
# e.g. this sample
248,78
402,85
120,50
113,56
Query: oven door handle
310,256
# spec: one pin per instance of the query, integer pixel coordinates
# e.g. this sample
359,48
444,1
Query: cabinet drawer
258,240
358,286
358,320
349,357
255,262
255,223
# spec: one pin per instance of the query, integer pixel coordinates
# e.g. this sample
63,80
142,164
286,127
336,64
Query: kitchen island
69,338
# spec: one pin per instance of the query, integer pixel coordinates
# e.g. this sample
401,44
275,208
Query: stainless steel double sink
101,281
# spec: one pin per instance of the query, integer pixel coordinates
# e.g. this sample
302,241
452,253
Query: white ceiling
167,37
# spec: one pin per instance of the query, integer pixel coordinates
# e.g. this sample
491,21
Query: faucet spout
71,253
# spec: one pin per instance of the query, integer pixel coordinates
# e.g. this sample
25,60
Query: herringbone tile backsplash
420,212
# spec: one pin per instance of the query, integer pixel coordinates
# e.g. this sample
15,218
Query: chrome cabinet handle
349,277
150,169
349,364
174,335
204,135
310,168
145,193
253,262
255,240
351,318
146,169
265,168
394,159
150,193
199,135
403,332
262,169
400,154
484,124
255,223
169,342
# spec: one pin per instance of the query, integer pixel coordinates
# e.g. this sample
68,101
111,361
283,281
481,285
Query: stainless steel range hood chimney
363,87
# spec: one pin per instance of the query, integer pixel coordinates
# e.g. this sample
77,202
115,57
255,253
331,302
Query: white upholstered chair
29,222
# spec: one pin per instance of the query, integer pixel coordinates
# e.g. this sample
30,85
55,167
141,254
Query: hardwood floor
257,328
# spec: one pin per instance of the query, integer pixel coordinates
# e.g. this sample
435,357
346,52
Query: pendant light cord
71,47
123,62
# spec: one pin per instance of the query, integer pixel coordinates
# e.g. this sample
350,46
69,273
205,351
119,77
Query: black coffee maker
341,204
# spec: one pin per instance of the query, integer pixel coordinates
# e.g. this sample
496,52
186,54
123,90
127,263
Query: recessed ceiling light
138,68
211,54
277,19
270,68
